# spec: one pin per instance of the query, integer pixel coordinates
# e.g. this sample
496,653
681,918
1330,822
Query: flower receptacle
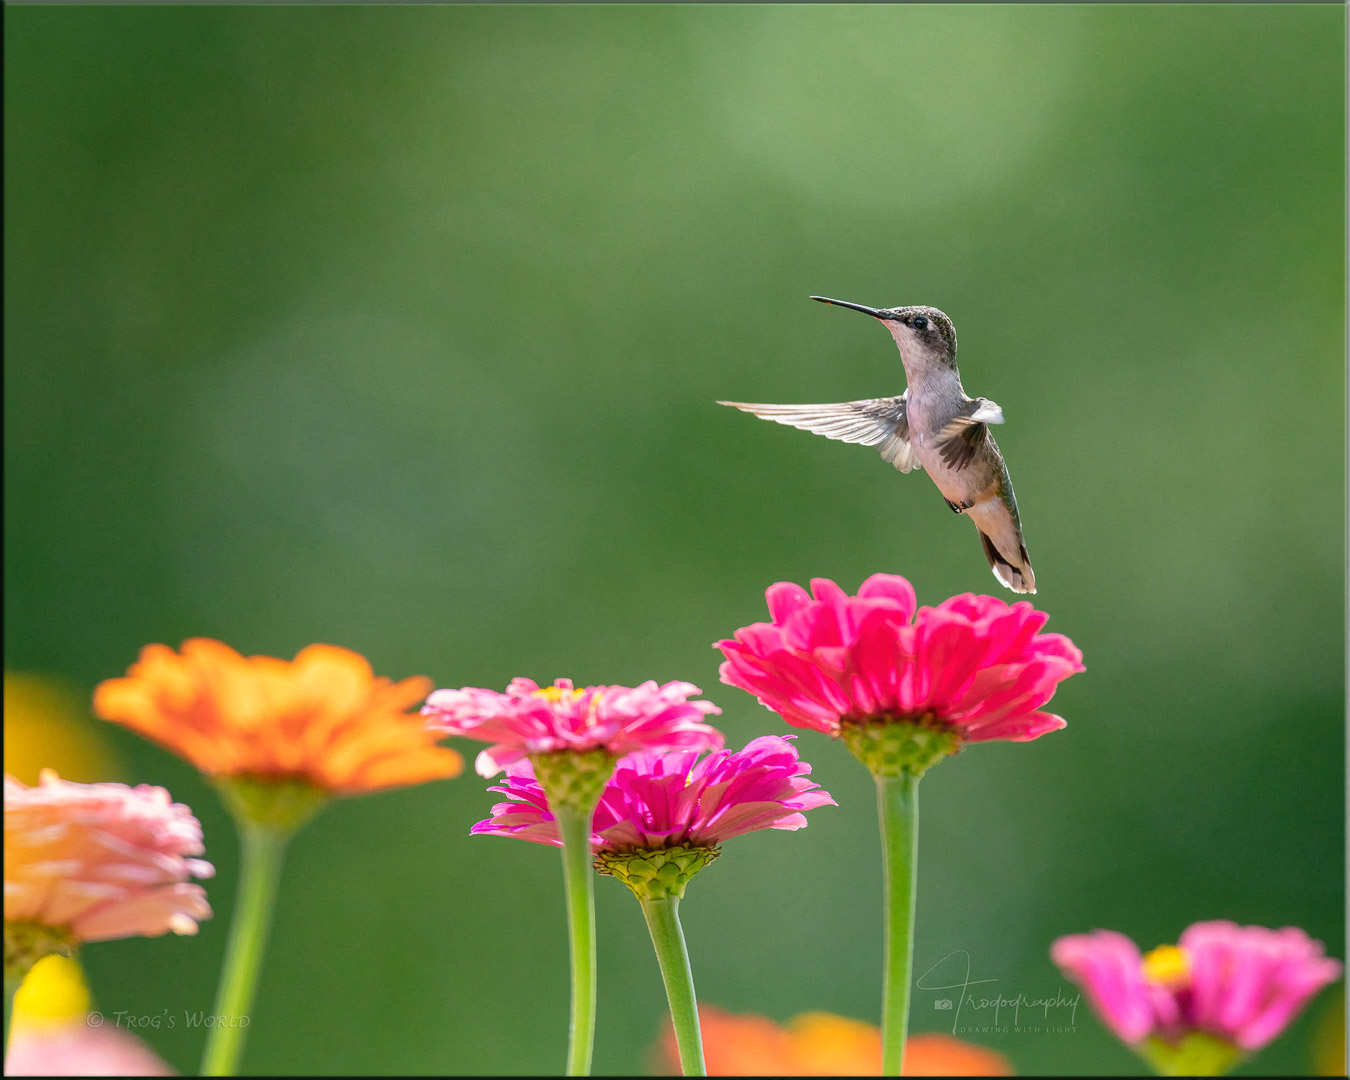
1196,1053
283,804
27,942
655,873
573,779
891,747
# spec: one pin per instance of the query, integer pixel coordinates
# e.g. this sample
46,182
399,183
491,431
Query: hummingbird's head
924,334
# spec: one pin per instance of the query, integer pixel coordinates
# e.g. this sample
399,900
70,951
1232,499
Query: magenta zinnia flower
973,666
902,689
658,821
570,740
528,720
92,862
673,800
1232,987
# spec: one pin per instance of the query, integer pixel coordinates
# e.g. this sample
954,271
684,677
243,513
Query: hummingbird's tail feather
995,516
1019,578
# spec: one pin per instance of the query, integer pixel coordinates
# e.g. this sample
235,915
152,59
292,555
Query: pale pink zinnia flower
53,1033
528,720
101,861
76,1048
673,800
1239,984
973,666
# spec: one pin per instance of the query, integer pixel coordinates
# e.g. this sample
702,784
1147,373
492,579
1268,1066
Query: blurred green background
401,328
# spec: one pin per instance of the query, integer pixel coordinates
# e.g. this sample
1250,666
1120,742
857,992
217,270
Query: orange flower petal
821,1044
946,1055
323,718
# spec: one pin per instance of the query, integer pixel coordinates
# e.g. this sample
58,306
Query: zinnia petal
822,1044
529,720
102,861
1249,982
975,664
1108,967
1238,984
673,799
323,718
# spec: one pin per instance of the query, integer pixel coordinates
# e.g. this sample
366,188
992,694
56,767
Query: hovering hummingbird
933,426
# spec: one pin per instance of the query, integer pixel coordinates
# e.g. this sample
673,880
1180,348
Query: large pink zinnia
673,800
101,861
81,1047
974,665
528,720
1240,984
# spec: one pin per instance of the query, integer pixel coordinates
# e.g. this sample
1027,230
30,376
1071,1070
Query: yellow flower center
1167,965
559,694
53,992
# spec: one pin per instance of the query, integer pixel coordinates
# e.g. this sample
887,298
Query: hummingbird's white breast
931,405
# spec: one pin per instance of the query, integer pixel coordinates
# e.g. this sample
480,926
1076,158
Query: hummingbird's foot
959,508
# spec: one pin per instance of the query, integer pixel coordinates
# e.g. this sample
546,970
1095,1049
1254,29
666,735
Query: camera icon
943,1003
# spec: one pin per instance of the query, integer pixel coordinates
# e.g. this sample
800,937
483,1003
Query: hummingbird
933,425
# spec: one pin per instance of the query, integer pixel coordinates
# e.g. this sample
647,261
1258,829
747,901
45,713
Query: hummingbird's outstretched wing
965,432
878,422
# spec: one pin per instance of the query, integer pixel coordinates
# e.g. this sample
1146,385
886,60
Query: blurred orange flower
822,1044
322,719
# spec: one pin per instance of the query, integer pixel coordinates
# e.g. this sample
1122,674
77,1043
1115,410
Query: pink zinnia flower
78,1049
673,800
1240,984
101,861
973,666
528,720
53,1033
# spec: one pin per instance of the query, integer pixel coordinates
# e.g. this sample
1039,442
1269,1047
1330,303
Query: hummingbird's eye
920,322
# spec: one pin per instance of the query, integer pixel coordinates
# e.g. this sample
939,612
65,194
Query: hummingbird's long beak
875,313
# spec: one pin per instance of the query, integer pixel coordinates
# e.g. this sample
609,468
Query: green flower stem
263,847
575,826
663,921
898,809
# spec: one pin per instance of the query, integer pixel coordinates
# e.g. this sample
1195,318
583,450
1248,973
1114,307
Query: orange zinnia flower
822,1044
322,719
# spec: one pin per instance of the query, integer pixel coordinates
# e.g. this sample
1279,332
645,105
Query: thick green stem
663,921
898,809
263,848
578,880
